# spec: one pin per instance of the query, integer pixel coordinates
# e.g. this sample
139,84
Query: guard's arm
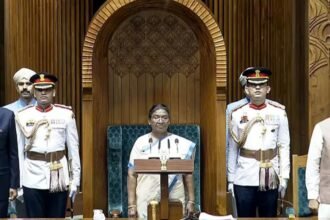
72,142
233,150
284,149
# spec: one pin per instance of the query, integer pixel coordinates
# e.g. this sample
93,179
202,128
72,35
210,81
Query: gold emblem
257,73
42,77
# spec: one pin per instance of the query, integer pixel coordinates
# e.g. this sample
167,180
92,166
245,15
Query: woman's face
159,121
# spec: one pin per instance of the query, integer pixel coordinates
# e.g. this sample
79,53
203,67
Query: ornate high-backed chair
120,140
300,201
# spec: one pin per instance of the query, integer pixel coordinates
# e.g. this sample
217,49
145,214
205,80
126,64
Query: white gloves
313,204
231,188
282,187
73,192
20,195
98,214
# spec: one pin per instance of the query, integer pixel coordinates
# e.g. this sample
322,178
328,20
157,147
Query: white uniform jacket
313,163
59,131
245,171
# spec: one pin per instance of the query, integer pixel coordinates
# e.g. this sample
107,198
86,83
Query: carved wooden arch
93,130
112,6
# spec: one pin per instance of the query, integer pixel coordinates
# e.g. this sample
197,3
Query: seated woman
142,188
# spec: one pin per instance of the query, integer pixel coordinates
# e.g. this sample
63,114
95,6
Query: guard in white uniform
318,169
258,158
46,130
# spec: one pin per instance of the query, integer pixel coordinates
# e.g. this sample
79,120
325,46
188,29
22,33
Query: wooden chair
300,201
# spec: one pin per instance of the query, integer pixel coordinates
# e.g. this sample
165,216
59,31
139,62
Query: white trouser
324,211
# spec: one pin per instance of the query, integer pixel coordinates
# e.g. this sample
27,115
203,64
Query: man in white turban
25,90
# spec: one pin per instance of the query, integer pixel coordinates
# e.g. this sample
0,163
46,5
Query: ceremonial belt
260,155
47,157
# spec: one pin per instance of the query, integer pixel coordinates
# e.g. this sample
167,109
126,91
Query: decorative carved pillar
319,61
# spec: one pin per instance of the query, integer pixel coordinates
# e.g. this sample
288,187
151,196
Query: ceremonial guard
46,130
258,157
318,169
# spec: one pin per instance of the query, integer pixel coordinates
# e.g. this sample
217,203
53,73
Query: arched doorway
100,80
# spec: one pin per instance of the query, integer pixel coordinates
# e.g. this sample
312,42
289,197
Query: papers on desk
205,216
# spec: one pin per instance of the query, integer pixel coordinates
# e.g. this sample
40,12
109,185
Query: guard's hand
12,194
282,187
313,204
132,212
231,188
73,192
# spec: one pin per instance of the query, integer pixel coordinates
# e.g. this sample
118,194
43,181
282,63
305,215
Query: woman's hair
157,107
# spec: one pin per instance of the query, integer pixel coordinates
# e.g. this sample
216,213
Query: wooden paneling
87,169
221,183
167,68
47,35
319,62
2,54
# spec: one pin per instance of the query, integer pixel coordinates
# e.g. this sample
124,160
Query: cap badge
42,77
257,73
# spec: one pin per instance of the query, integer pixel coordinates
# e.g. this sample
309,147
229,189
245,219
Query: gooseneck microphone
150,142
177,145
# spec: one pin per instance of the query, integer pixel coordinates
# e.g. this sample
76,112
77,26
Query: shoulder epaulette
238,107
63,106
276,104
26,107
230,115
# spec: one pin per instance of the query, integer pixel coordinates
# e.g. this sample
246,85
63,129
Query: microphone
168,146
177,145
150,142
